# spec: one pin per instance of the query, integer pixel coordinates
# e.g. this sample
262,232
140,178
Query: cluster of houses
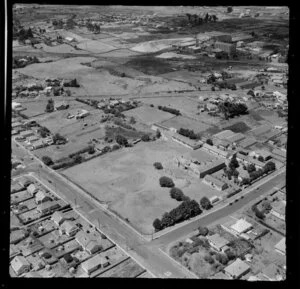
56,241
31,139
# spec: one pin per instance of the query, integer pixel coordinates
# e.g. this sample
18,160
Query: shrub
208,258
222,258
209,141
158,133
121,140
47,160
145,138
205,203
176,194
230,255
166,182
158,166
203,231
157,225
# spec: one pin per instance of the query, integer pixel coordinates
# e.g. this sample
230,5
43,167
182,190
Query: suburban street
146,253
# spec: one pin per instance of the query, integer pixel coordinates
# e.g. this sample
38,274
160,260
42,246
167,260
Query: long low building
215,183
192,144
215,151
211,168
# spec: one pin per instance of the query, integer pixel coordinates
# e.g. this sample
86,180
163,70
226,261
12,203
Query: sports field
127,181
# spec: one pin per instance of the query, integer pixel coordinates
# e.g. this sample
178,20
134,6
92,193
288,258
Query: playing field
148,115
127,181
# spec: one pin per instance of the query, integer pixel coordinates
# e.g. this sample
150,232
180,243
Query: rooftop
237,268
217,240
213,180
241,226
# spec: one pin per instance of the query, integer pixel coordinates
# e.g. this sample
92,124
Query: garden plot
128,182
148,115
61,48
169,55
34,108
120,53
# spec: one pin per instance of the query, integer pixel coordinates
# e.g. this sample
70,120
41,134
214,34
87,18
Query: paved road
147,253
183,231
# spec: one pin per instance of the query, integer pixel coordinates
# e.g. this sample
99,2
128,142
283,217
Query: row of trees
188,133
93,27
197,20
231,110
169,109
268,167
24,34
186,210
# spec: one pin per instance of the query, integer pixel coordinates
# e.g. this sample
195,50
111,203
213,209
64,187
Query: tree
222,258
121,140
50,106
176,194
145,138
47,160
91,149
245,181
158,133
261,159
209,141
251,168
213,88
233,164
43,131
157,224
158,166
266,205
208,258
77,158
59,139
166,182
167,220
230,255
203,231
132,120
205,203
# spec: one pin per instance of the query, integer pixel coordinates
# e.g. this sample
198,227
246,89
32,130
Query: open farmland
148,115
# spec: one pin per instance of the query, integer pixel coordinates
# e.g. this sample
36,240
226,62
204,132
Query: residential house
278,210
42,197
237,269
88,243
94,263
226,47
24,182
217,242
69,228
20,265
32,189
48,207
58,218
26,133
16,188
215,183
241,226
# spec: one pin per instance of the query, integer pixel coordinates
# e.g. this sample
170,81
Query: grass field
148,115
78,132
183,122
127,181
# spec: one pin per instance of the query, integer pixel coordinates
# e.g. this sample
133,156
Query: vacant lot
34,108
148,115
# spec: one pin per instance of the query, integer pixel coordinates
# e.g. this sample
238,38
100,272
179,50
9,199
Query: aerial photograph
148,142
